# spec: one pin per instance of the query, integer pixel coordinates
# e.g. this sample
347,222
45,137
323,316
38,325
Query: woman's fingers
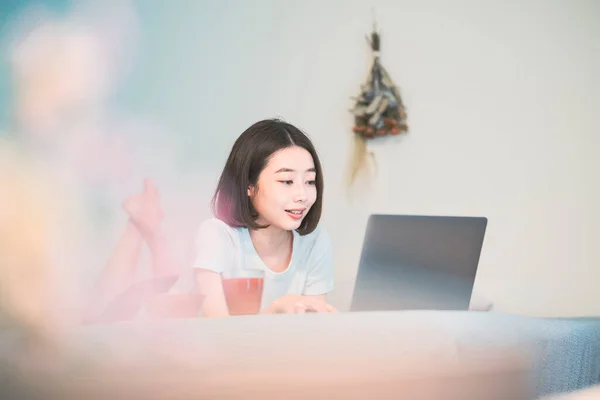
299,308
318,306
297,304
330,308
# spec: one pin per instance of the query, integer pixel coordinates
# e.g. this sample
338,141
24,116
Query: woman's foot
145,210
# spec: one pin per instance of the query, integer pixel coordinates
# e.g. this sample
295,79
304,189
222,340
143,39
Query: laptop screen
418,262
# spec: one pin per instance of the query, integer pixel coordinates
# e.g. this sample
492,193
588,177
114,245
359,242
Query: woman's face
285,190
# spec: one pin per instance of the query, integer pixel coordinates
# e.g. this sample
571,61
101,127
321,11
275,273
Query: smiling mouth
295,212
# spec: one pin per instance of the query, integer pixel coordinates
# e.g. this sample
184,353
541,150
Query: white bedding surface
307,356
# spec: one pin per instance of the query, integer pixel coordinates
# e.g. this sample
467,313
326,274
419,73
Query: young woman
267,207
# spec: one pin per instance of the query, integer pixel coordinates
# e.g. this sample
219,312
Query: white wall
501,99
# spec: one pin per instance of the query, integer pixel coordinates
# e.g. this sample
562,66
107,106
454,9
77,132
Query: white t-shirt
230,252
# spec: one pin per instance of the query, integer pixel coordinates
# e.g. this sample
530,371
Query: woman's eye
311,182
287,182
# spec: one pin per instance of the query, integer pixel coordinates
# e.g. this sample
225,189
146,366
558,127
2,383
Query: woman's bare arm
210,285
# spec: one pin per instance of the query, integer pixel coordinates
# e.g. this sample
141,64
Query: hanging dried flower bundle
378,110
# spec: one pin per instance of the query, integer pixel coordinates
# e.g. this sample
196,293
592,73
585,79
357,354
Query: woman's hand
298,304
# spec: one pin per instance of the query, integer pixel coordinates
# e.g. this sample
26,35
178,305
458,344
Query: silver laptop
417,262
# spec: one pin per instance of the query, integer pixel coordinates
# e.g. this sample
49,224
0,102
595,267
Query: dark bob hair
248,157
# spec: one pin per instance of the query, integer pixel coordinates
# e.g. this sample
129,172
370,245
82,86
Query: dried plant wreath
378,110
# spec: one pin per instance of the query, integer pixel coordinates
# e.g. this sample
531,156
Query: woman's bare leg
119,272
144,225
146,213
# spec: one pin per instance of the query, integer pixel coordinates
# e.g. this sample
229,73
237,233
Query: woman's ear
250,191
